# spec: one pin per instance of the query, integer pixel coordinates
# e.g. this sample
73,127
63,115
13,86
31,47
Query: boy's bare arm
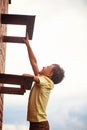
31,55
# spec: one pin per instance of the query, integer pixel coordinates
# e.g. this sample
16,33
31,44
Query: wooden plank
11,39
24,81
18,19
9,90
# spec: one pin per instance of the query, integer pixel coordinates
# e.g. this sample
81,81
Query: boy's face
47,71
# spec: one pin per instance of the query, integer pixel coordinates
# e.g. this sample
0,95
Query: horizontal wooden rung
9,90
12,39
18,19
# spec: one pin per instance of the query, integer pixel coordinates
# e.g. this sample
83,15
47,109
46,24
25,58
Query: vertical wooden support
3,31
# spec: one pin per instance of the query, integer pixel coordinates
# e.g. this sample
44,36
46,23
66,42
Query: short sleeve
45,82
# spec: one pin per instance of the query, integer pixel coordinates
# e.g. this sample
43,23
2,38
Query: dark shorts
39,125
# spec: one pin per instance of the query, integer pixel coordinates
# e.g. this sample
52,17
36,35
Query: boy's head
54,72
58,74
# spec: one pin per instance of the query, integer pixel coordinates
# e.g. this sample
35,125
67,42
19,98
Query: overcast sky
59,37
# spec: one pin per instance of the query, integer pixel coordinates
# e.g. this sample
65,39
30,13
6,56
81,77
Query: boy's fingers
27,37
24,40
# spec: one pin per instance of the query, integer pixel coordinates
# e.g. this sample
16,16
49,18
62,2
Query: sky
59,37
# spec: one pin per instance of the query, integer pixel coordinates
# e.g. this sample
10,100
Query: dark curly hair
58,74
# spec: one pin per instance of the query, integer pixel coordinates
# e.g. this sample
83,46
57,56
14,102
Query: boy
39,94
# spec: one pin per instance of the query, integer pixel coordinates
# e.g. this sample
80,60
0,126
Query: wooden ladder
25,82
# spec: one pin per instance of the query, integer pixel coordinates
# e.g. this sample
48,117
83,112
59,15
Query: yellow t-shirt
38,99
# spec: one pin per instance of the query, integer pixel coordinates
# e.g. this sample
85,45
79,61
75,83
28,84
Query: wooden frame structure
15,19
25,83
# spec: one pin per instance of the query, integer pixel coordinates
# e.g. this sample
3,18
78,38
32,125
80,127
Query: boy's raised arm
31,55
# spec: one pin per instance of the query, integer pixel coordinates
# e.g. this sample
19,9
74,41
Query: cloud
64,113
14,127
68,113
15,114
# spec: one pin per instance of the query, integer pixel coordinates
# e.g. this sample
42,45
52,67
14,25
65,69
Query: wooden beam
18,19
9,90
11,39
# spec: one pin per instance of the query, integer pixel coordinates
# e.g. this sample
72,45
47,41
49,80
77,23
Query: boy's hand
26,39
28,75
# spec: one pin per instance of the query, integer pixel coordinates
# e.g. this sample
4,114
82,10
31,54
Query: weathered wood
11,39
18,19
23,81
9,90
